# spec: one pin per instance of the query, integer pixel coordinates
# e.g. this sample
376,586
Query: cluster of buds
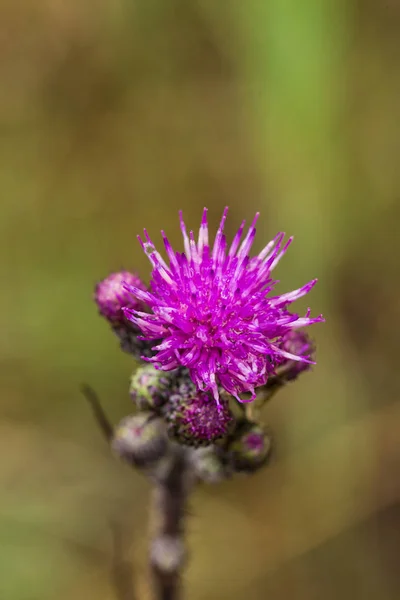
169,411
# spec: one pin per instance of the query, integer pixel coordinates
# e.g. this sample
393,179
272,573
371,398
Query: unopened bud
111,296
140,439
250,447
149,388
296,342
208,466
195,419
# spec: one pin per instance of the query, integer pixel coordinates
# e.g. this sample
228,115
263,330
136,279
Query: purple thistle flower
213,312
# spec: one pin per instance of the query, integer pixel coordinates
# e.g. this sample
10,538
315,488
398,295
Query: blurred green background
113,116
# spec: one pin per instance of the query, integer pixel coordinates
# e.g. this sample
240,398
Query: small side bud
249,447
296,342
111,296
195,419
149,388
140,439
208,466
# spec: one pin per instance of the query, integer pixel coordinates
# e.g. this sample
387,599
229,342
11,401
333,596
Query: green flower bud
208,466
140,439
249,447
149,388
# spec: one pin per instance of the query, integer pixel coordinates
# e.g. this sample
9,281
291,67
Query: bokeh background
114,114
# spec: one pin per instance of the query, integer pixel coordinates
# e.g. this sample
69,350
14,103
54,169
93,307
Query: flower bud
208,466
298,343
149,388
140,439
249,447
194,418
111,296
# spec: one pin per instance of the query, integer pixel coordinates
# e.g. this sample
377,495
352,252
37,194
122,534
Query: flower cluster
212,330
213,311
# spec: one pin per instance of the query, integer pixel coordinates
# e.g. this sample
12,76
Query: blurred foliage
114,115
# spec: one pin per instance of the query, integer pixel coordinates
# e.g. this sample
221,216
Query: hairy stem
167,552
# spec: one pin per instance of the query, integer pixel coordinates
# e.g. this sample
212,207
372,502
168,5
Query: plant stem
167,552
101,419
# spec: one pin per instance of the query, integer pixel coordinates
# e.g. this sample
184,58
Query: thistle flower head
110,296
214,312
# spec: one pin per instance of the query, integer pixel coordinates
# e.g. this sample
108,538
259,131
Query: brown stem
101,418
167,545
